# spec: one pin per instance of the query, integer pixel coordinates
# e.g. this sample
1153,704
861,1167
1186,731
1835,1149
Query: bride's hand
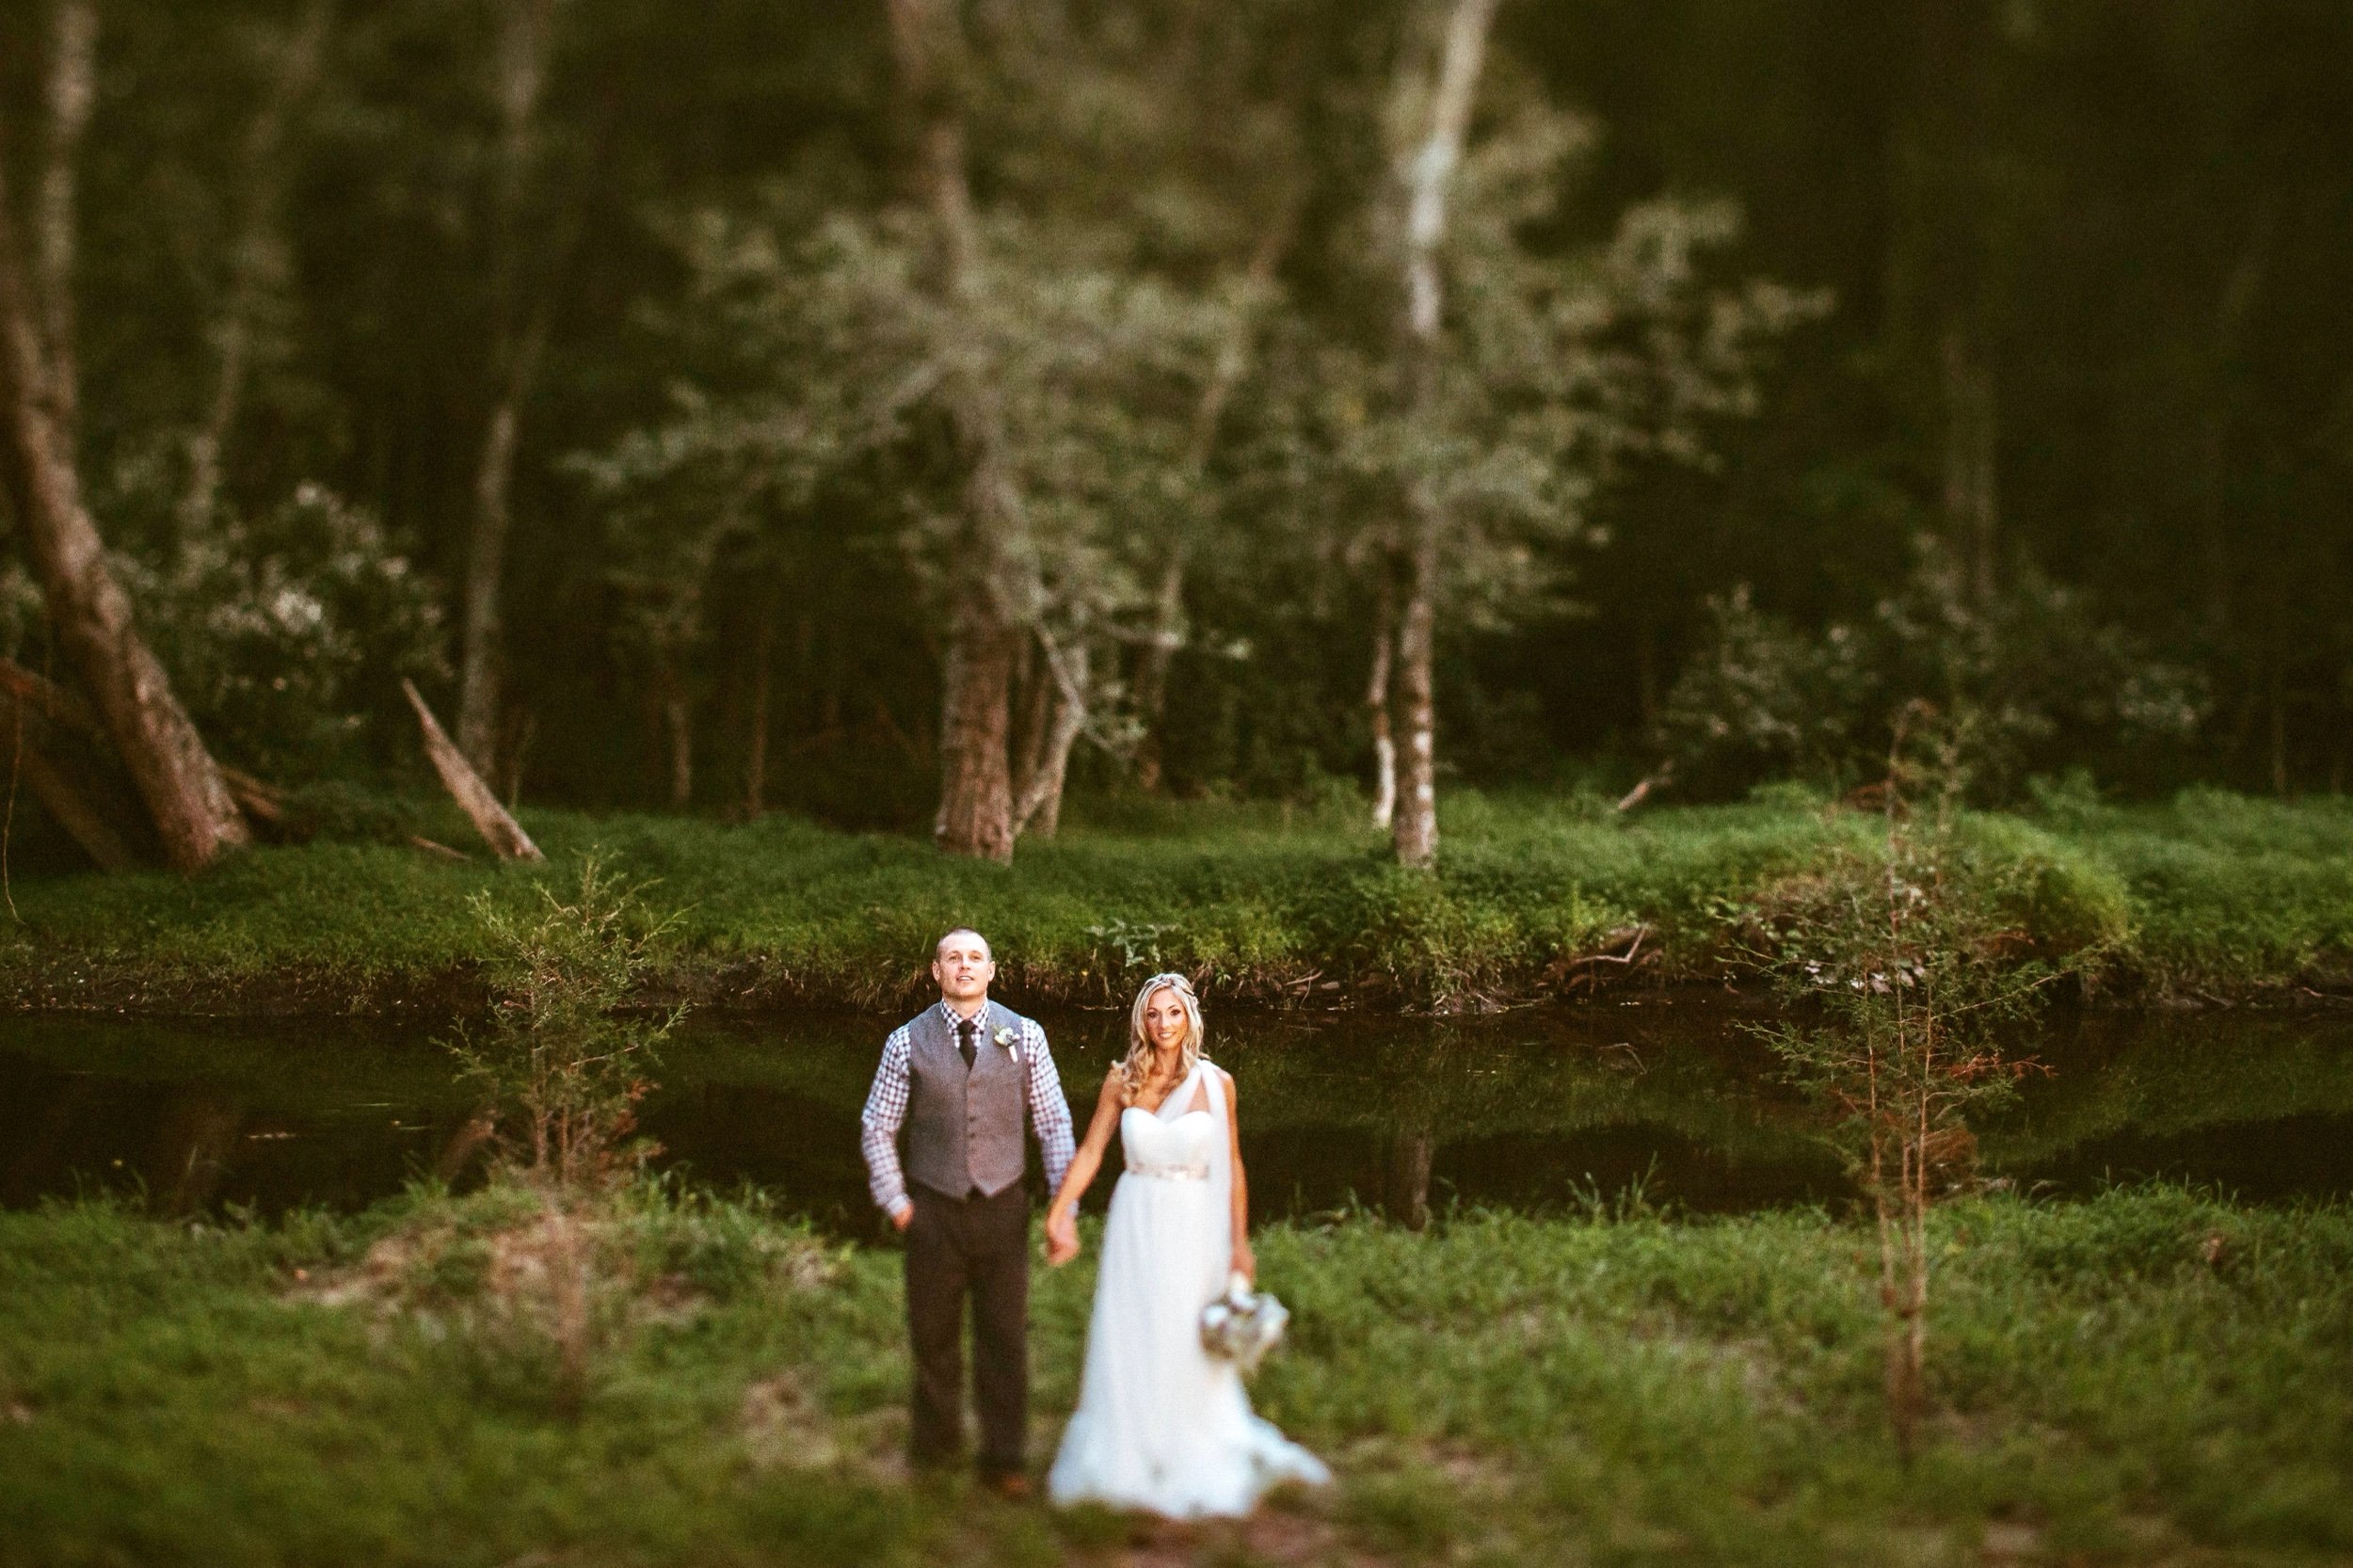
1062,1237
1245,1262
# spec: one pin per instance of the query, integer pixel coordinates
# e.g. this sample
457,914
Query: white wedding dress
1162,1425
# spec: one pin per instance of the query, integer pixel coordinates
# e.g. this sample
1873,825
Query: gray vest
964,1128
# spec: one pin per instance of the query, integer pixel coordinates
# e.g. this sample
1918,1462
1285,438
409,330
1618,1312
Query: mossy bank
2211,895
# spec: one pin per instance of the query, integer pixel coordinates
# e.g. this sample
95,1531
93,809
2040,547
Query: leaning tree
187,799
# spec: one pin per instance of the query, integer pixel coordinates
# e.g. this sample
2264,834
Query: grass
2154,1376
2210,893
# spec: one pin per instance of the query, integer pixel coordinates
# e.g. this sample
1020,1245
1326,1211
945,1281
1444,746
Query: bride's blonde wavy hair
1135,1069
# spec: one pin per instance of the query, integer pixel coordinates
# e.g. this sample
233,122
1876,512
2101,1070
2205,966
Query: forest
887,417
1703,641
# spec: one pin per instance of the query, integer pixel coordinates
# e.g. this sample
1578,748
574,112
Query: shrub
560,1061
288,635
2039,676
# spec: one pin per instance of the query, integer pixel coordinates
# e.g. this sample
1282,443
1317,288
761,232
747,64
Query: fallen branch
62,756
264,802
52,702
1581,970
45,700
74,808
1641,792
499,830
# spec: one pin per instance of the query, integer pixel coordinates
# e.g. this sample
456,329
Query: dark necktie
964,1028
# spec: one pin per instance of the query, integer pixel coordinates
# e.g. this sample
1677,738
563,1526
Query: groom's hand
903,1216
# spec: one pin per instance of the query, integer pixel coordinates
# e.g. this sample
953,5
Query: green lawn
2151,1377
2211,892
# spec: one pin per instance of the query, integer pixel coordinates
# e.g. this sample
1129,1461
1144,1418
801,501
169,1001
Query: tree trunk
927,45
198,1145
195,818
1408,1178
678,724
756,726
2241,289
1152,663
1416,830
1040,808
2279,711
1430,176
976,794
256,258
1948,195
1646,674
1033,704
517,728
1428,182
1971,432
516,346
1377,703
70,88
976,784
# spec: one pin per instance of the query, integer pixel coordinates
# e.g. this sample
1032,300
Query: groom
963,1079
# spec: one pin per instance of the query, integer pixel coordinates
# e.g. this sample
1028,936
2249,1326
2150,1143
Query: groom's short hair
963,931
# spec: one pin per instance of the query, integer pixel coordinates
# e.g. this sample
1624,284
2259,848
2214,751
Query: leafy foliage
2035,675
288,635
561,1061
1923,980
732,465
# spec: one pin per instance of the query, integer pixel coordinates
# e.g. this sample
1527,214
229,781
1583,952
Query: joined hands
1062,1237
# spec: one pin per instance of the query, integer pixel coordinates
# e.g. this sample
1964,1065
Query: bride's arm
1245,1262
1062,1215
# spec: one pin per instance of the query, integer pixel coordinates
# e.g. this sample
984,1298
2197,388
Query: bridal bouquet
1242,1325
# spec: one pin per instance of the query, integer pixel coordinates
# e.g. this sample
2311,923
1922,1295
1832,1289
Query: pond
1662,1092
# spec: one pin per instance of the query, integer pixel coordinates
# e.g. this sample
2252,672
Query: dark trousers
976,1247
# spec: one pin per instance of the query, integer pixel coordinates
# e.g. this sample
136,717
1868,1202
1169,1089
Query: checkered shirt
886,1112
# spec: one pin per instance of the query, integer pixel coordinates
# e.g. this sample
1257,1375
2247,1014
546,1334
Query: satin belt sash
1172,1172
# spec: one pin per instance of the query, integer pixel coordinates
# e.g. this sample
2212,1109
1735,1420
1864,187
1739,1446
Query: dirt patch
785,1427
1290,1532
529,1256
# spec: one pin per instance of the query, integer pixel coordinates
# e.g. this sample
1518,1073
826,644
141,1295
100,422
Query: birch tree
1460,455
1428,181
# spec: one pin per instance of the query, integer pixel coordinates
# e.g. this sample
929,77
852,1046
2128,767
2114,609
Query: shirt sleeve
1049,1109
879,1127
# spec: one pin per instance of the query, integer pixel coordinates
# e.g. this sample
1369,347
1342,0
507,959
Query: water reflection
1541,1108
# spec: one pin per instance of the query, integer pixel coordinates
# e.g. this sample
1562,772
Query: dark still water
1664,1093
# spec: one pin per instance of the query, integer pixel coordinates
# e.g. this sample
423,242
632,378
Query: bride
1160,1425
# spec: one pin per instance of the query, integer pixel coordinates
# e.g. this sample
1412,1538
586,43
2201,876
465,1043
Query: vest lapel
931,1034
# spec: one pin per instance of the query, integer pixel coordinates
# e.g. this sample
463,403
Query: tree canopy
783,404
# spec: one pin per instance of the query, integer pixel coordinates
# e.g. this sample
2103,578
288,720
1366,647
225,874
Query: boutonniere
1005,1038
